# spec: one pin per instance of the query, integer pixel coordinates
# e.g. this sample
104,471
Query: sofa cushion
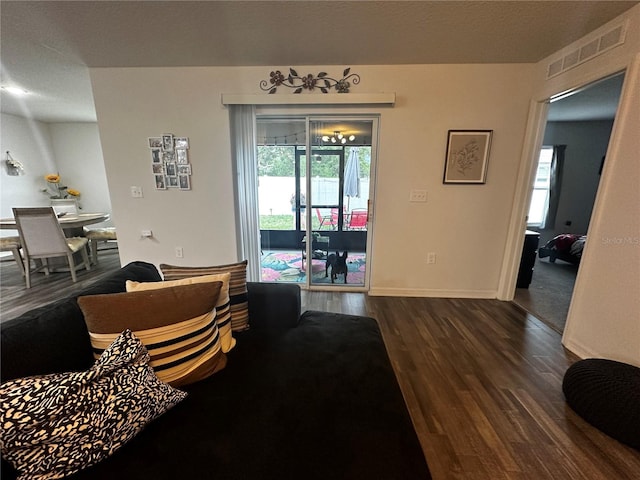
58,424
223,311
176,324
237,287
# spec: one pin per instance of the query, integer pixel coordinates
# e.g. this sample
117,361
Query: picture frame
167,142
181,156
171,169
156,155
168,157
160,182
184,169
184,182
155,142
181,142
467,156
157,168
172,181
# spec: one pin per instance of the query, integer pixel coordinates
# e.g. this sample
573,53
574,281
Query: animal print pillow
54,425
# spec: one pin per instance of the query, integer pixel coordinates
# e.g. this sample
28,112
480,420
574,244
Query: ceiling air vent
588,50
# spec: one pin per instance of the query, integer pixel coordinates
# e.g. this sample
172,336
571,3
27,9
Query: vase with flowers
56,190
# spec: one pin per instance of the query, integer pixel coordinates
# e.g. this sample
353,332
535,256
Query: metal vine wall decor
322,81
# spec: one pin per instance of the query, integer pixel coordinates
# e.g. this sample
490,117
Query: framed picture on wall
160,182
185,182
172,169
158,168
181,156
155,142
467,156
172,181
184,169
167,142
181,142
156,155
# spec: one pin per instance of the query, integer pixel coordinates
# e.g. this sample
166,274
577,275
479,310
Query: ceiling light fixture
338,137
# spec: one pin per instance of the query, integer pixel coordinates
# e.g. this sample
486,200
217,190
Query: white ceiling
47,46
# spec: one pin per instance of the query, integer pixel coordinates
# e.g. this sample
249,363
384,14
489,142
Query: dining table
68,222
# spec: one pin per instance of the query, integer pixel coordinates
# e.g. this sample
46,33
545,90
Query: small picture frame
167,142
467,156
156,155
155,142
184,182
172,181
171,169
168,157
184,169
160,182
181,142
181,156
157,168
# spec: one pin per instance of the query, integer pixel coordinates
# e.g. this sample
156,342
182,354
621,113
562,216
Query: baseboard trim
433,293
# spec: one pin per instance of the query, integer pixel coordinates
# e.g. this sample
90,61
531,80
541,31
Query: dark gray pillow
55,425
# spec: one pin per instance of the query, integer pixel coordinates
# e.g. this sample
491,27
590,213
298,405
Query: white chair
42,238
13,245
95,235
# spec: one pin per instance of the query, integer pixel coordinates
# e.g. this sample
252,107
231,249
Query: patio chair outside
358,219
42,238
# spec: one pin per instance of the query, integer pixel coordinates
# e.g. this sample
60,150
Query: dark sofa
309,396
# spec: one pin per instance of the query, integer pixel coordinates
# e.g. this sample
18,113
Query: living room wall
464,224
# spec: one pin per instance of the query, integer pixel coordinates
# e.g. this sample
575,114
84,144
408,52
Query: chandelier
338,137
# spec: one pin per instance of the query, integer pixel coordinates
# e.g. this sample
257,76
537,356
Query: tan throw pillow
55,425
237,287
223,310
176,324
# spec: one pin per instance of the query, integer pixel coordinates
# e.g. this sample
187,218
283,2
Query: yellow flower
73,193
52,178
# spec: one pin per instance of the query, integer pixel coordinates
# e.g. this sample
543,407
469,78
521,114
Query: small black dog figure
338,264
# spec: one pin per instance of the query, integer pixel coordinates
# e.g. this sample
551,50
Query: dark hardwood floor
15,299
481,378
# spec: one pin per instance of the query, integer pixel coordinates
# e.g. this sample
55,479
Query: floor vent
589,50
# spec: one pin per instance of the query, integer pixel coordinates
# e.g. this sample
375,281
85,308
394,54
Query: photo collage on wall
170,162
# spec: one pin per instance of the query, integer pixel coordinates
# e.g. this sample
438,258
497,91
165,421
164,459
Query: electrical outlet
418,196
431,257
136,192
146,233
179,252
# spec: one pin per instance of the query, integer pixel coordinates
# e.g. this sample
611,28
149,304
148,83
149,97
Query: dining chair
95,235
42,238
12,244
65,206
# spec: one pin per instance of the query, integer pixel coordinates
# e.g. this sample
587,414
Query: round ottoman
606,394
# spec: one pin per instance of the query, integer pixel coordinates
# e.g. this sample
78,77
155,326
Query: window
540,197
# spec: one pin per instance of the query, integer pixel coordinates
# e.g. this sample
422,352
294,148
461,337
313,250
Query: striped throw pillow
176,324
223,310
237,287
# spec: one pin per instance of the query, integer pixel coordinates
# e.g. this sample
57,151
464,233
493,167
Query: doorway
314,209
581,121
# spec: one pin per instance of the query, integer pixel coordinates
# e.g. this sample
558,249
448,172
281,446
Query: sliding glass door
315,228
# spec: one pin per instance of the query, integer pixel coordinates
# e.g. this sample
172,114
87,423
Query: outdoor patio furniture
358,219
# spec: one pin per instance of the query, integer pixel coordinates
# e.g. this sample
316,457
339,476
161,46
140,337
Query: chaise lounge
308,396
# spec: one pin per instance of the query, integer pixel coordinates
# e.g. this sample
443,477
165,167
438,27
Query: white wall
464,224
586,144
30,143
78,154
